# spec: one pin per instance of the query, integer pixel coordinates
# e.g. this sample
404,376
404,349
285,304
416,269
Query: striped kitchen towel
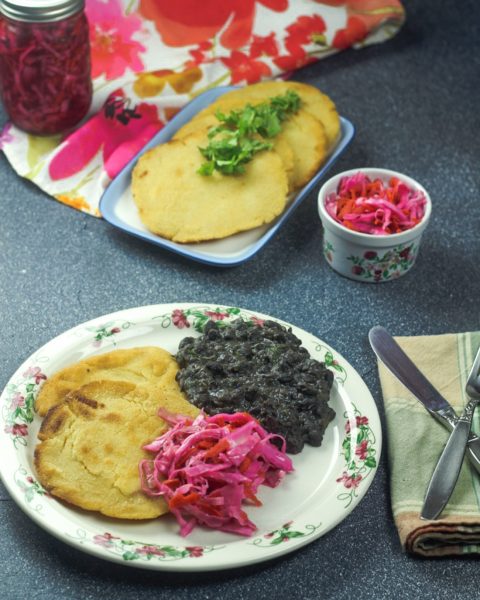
416,440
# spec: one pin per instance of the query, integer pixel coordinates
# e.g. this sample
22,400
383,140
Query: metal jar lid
36,11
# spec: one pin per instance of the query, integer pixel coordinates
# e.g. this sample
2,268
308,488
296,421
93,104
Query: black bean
262,370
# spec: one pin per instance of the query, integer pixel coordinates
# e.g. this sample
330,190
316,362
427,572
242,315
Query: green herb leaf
240,133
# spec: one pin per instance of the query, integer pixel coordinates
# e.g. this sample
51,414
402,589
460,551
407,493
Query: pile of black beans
260,369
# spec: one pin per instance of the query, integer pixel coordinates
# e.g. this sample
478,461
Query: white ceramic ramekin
365,257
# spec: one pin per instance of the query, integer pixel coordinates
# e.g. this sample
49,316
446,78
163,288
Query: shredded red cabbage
207,468
45,73
374,207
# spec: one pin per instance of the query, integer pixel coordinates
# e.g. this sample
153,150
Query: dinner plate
118,208
326,485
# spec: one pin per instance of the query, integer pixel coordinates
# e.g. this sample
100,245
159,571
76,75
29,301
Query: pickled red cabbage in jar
45,82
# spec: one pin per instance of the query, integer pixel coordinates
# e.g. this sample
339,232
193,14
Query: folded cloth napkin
150,57
416,440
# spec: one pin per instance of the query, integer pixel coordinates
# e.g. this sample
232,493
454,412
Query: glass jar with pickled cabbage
45,81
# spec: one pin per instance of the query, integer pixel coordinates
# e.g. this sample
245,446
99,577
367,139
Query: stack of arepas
176,202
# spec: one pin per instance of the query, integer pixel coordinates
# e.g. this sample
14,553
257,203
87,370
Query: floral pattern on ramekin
377,266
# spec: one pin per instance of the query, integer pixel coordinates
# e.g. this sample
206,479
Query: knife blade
395,359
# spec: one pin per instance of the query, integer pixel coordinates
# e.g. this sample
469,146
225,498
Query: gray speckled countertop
415,103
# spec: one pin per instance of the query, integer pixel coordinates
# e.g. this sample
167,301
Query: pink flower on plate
194,551
361,450
359,421
120,130
35,373
216,315
113,50
17,429
257,321
17,401
350,481
104,540
150,551
179,319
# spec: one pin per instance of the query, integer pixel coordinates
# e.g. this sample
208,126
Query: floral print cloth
150,57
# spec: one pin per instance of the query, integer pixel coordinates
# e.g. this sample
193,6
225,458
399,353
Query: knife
395,359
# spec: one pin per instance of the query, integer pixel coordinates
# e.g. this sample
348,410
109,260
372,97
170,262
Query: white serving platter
118,208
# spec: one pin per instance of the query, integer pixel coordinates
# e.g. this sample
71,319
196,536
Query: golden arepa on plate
147,366
92,442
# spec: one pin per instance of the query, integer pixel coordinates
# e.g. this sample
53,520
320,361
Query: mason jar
45,81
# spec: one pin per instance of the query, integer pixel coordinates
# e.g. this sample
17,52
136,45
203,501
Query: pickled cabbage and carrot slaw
372,206
209,467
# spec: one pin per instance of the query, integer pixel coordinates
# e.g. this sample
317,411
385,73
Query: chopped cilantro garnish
238,137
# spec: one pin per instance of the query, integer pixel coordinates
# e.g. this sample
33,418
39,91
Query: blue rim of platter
118,209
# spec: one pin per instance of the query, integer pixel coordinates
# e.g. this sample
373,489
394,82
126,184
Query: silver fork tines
448,467
473,381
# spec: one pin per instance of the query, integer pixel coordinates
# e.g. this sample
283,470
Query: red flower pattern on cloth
354,32
187,22
304,31
198,54
245,69
160,54
119,130
113,50
363,16
263,46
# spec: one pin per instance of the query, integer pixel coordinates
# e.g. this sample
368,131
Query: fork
449,464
